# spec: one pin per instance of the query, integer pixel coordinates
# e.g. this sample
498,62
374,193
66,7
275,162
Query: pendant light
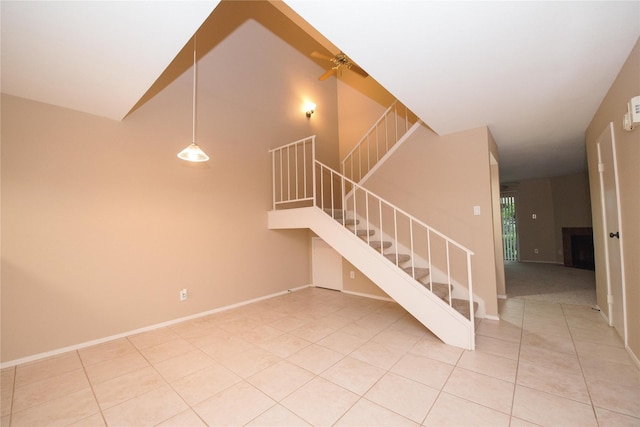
193,153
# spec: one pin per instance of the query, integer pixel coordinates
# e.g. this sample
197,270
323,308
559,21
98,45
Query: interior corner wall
571,205
439,179
612,109
102,224
557,202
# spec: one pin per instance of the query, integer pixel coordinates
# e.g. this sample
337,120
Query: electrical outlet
535,251
183,295
352,274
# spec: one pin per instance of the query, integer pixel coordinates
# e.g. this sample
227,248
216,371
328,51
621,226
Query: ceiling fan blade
316,54
327,74
358,70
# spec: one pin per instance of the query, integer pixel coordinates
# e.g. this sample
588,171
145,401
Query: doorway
509,226
612,234
326,265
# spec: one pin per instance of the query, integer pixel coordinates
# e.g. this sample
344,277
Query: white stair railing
379,139
327,189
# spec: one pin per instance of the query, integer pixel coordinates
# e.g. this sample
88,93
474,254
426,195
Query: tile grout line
515,380
165,381
13,392
444,384
93,392
584,378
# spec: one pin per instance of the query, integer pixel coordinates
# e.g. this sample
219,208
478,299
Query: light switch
476,210
533,216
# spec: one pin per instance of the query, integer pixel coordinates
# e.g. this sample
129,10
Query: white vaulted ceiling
99,57
534,72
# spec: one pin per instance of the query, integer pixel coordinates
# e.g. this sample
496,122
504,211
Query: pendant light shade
193,153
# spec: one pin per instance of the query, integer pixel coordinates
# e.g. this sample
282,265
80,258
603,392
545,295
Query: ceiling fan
340,61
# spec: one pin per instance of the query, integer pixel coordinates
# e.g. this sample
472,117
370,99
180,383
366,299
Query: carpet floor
550,283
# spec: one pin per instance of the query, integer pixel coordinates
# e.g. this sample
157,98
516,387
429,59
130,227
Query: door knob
616,235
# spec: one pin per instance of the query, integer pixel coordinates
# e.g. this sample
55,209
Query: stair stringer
441,319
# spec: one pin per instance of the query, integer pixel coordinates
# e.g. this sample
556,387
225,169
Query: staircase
423,270
403,260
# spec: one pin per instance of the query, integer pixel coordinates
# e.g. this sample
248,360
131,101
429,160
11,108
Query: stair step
335,213
348,221
401,257
377,244
439,289
421,273
362,232
462,306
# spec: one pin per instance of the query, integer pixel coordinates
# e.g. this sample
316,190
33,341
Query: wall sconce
309,109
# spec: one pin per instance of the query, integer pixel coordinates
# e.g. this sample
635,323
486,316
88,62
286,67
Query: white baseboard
360,294
91,343
633,356
502,296
490,317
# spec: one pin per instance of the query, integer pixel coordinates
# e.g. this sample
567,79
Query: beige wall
102,224
534,197
439,179
557,202
360,283
612,108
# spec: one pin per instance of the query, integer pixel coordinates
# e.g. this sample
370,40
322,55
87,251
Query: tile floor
319,357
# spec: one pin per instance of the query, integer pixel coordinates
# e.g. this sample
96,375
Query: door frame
609,131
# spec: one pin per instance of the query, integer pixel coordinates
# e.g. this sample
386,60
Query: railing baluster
273,179
295,151
386,133
429,256
471,310
381,229
281,178
368,154
366,206
413,254
377,145
396,119
355,207
313,167
304,167
343,199
395,232
359,164
448,272
333,205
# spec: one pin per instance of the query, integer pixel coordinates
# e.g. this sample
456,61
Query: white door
326,265
614,259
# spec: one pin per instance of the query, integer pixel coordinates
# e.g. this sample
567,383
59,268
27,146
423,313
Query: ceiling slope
97,57
534,72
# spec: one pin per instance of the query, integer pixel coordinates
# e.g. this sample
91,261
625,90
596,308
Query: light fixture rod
195,78
193,153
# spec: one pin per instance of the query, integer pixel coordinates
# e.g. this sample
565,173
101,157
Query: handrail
341,194
400,210
375,150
